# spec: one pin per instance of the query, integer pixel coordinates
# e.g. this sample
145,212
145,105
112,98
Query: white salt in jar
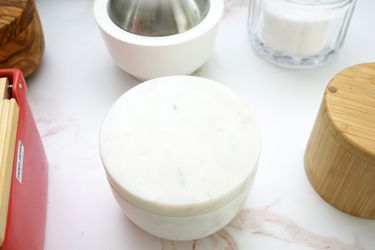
298,33
180,153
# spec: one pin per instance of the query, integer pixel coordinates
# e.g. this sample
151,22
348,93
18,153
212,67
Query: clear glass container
298,33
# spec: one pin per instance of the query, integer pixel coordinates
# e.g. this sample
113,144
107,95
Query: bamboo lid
15,15
349,107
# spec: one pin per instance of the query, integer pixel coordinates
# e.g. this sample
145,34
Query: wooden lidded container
340,155
21,36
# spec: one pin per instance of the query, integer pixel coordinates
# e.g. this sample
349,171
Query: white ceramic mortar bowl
180,154
147,57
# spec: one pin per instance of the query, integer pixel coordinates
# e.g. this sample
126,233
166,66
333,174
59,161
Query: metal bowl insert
157,17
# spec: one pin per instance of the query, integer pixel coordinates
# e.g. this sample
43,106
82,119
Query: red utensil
25,224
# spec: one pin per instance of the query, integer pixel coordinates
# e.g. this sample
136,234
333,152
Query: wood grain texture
15,15
4,89
340,155
8,130
24,51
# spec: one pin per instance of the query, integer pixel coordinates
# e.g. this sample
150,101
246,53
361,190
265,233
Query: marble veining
257,221
49,117
266,223
221,240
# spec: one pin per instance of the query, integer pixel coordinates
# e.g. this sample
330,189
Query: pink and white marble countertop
78,81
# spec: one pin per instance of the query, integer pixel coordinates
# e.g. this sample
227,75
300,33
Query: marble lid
180,145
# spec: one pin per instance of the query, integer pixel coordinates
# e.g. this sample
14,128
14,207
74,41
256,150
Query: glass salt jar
298,33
